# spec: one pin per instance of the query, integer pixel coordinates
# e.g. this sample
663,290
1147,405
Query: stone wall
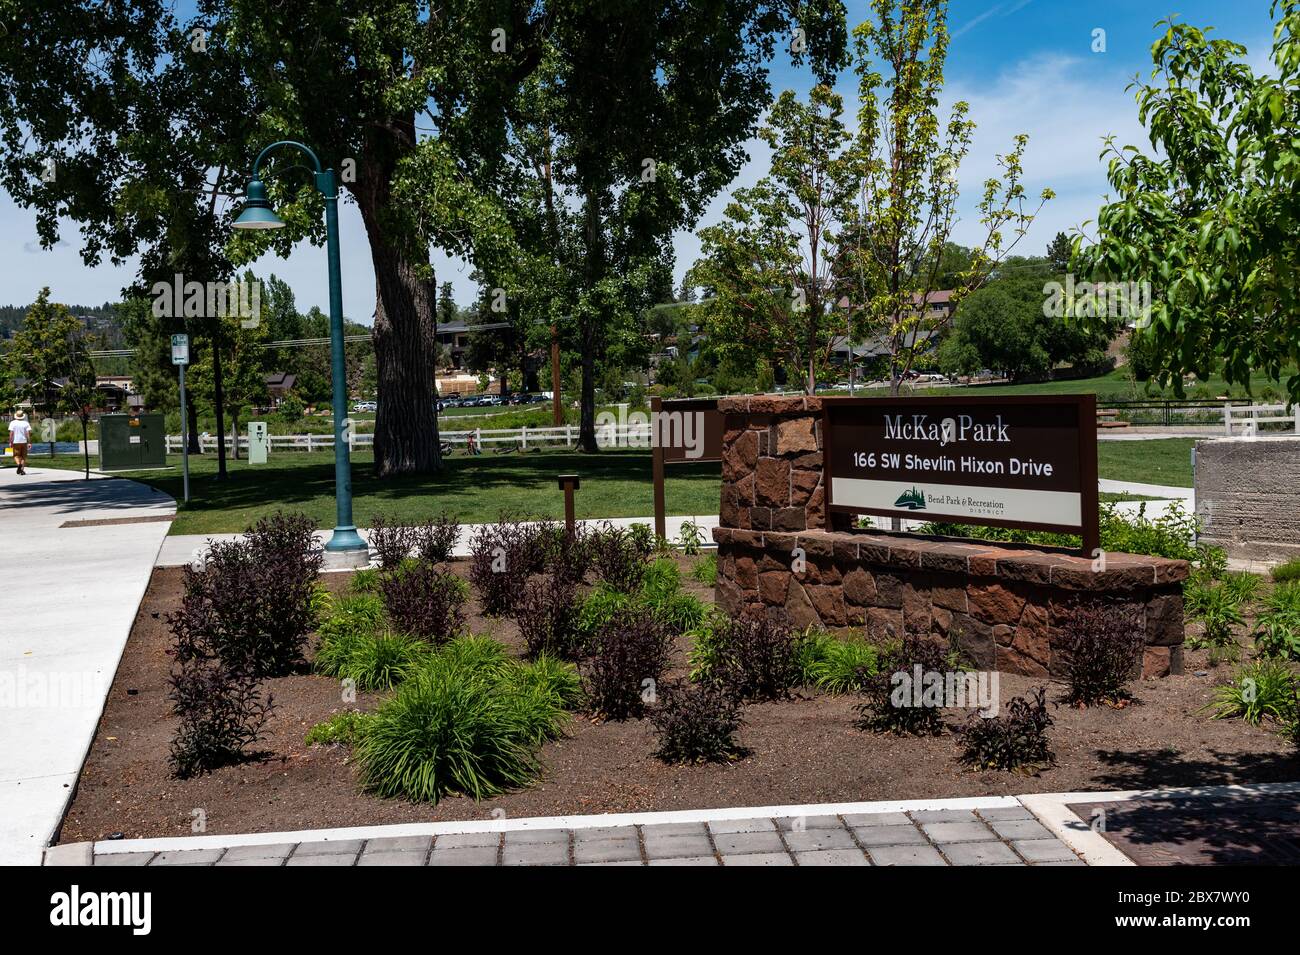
1248,496
1003,605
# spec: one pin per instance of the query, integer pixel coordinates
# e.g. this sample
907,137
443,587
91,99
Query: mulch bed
803,751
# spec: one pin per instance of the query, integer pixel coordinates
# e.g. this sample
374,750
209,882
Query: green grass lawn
1116,386
1162,461
614,484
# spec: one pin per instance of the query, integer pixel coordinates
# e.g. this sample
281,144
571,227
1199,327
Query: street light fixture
345,546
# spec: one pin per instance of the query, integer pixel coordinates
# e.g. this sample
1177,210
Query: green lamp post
345,545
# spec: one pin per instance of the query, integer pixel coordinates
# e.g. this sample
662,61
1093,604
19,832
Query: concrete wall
1248,495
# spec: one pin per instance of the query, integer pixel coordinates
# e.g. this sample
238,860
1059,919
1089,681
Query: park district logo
913,500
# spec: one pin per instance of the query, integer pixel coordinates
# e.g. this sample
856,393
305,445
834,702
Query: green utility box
130,442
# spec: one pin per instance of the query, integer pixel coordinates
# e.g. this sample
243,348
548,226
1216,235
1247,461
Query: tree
42,353
1002,326
1058,253
894,244
625,149
153,120
133,124
80,394
768,263
240,347
1210,218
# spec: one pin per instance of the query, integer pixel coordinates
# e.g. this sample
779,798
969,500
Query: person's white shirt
20,432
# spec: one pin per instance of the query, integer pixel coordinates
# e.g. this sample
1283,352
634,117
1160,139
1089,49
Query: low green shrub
1015,740
706,569
353,614
548,616
1100,646
1263,689
1172,534
659,594
558,680
1242,586
343,728
887,708
468,721
1285,573
601,606
835,665
695,723
1277,628
689,538
425,602
1218,608
628,657
365,581
752,658
1211,561
381,661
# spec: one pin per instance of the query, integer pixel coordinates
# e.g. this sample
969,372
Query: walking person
20,436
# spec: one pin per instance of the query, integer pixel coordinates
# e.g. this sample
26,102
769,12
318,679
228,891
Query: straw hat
18,415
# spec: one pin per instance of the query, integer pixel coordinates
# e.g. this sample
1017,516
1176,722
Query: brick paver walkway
1001,836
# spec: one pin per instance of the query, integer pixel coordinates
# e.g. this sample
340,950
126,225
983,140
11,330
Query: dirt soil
803,751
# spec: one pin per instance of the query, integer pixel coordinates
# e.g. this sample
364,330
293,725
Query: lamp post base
346,549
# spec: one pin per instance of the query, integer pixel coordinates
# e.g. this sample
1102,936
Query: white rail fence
626,435
1248,418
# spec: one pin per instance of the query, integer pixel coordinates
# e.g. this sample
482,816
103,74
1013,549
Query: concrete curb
174,844
74,853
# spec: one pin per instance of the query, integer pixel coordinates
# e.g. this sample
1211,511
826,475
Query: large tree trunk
590,324
404,336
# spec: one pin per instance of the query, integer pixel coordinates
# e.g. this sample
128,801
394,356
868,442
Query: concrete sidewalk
181,549
979,831
1201,825
73,595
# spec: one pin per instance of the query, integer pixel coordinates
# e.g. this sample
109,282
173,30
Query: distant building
279,384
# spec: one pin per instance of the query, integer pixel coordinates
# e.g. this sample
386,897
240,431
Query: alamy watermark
21,688
182,299
661,429
963,689
1126,300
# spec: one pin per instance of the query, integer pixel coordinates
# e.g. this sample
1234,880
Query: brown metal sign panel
688,430
1025,462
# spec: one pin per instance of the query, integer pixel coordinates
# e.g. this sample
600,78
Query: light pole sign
180,350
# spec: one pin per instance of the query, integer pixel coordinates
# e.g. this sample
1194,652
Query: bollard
569,483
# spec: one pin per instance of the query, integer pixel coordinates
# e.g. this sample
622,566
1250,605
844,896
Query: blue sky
1023,65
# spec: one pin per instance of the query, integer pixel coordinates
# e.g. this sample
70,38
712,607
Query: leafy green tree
1058,253
240,345
768,263
894,244
41,353
80,394
625,149
1002,326
1209,217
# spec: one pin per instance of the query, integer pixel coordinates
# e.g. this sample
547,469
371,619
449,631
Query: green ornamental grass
467,720
1264,689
